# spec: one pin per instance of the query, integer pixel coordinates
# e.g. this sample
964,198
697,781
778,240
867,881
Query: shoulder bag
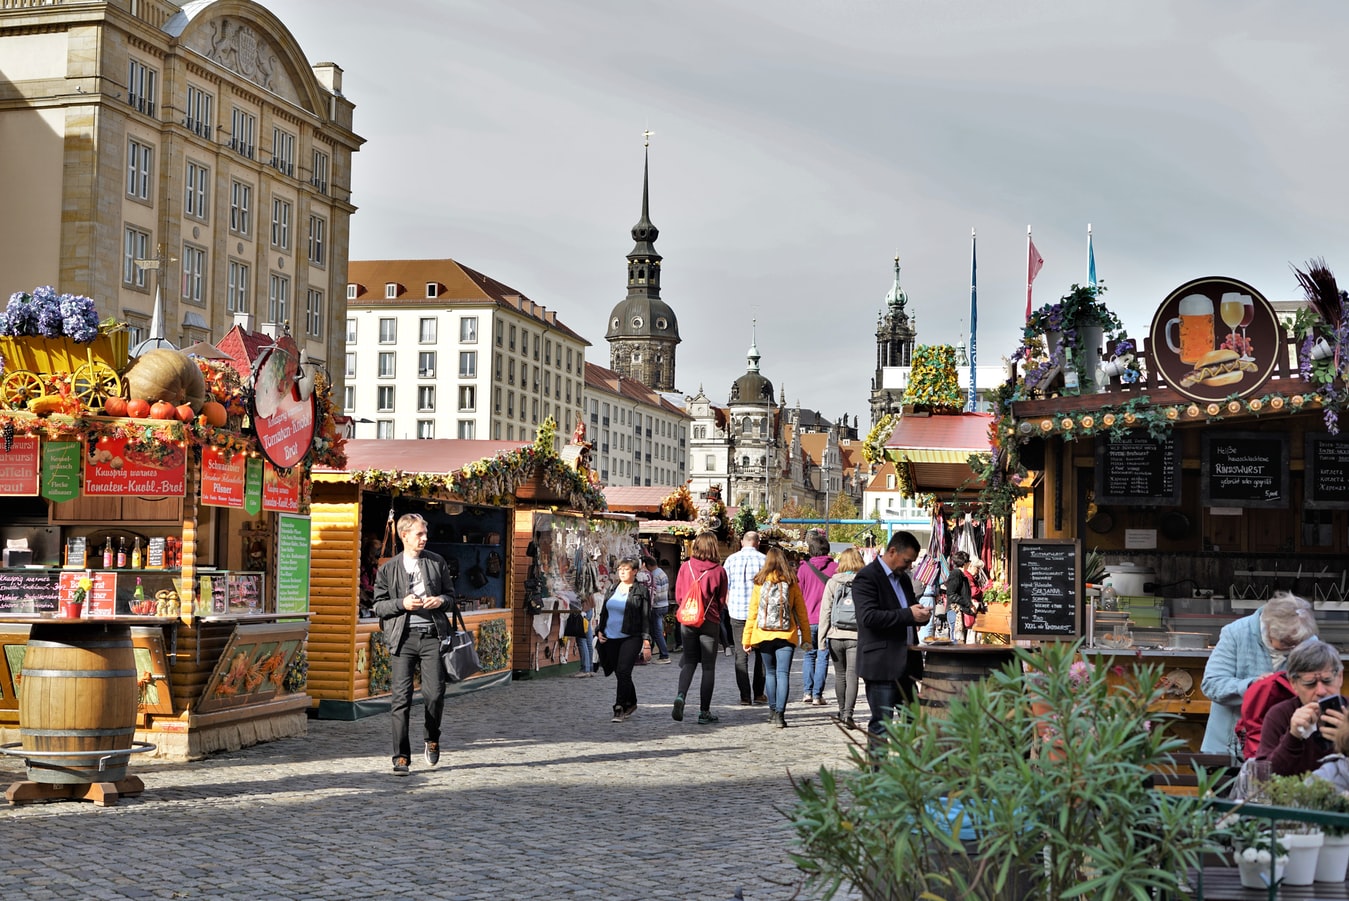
457,652
386,550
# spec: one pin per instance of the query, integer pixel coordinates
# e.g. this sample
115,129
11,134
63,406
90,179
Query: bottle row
155,553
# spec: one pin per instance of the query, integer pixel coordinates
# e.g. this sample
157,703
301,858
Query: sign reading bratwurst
1216,337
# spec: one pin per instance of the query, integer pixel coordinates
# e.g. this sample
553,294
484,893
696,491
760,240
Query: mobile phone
1332,702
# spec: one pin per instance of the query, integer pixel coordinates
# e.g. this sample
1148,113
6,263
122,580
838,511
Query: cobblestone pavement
537,795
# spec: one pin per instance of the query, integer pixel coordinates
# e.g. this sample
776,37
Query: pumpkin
115,406
167,375
163,410
138,408
215,413
185,413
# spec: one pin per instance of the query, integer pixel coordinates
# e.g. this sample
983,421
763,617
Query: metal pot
1130,580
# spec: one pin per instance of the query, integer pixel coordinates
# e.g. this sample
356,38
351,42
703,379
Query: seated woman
1298,732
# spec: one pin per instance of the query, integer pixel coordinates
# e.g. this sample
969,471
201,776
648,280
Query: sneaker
629,711
678,712
432,753
665,659
707,717
782,721
808,699
851,723
618,714
400,766
580,674
819,700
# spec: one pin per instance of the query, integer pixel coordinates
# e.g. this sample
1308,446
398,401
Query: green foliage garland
933,383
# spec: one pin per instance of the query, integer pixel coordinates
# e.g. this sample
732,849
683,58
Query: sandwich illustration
1217,368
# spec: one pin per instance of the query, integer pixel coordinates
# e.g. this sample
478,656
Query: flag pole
1030,252
1091,259
972,400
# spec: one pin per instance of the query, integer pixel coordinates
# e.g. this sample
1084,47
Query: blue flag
1091,259
971,400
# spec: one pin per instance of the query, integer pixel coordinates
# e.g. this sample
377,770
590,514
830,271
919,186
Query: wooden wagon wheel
94,382
19,387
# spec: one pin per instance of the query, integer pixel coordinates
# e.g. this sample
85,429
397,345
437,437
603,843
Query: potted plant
1303,840
956,806
1333,862
1254,849
1074,327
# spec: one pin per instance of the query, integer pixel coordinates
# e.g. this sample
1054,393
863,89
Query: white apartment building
435,349
639,437
195,135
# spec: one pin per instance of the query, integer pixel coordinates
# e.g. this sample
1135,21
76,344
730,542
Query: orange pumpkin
215,413
115,406
163,410
138,408
185,413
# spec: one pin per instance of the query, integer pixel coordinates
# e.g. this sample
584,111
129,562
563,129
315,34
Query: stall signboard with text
280,491
292,564
222,480
283,410
61,470
253,487
145,465
19,467
1213,339
102,597
1047,589
28,591
1135,468
1326,477
1244,469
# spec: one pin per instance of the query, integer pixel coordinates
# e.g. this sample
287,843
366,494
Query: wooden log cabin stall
193,530
1203,463
480,499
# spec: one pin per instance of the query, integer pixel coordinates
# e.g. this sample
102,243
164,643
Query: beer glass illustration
1196,328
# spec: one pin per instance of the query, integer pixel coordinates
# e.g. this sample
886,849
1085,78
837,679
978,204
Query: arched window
763,428
746,426
744,461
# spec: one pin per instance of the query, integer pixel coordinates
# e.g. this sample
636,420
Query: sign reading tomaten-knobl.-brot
135,465
222,480
280,492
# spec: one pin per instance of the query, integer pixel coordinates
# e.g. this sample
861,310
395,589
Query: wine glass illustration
1231,311
1247,317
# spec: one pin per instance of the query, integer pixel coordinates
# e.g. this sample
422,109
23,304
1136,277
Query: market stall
1203,471
354,510
170,494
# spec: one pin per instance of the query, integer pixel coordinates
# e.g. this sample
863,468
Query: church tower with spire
895,334
643,331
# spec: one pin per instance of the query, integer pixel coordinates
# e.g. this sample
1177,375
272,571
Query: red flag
1033,263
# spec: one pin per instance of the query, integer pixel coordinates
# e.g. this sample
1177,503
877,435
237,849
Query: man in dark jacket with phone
888,614
412,593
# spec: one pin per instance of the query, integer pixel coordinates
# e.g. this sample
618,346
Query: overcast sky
800,144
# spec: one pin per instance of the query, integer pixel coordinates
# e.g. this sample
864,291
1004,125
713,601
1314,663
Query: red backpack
1263,694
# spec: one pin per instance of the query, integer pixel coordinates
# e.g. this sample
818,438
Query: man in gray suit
888,614
412,593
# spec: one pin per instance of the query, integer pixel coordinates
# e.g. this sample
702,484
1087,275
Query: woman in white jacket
838,631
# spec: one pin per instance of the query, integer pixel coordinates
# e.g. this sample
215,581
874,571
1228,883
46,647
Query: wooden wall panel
335,554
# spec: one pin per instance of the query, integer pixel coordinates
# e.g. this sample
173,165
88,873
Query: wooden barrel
78,694
949,670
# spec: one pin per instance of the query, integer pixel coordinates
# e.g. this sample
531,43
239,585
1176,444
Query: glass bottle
121,552
1071,385
136,556
107,554
138,597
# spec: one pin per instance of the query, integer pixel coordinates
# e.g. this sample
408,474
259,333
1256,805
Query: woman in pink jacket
701,573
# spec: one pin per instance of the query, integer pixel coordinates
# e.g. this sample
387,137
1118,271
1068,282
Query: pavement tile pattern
537,796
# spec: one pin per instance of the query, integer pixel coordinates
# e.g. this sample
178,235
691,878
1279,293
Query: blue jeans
587,643
777,664
883,697
814,666
658,630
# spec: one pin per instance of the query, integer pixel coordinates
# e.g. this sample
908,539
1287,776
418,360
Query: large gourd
167,375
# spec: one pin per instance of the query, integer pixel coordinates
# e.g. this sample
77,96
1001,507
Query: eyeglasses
1311,681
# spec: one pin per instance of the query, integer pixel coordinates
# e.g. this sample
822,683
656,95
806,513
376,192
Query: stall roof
636,498
937,448
430,455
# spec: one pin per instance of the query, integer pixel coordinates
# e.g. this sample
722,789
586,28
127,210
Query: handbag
575,626
693,609
457,652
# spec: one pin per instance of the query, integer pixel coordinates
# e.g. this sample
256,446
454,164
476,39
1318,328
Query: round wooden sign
1215,338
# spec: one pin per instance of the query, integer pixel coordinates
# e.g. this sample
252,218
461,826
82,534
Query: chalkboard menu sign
34,591
1047,589
1245,469
1326,478
1136,469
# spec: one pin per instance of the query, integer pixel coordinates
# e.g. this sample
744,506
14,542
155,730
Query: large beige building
435,349
639,437
195,134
